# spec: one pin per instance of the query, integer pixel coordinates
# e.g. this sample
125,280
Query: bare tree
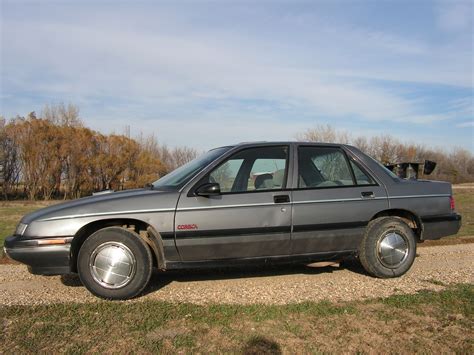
62,115
57,156
323,134
182,155
174,158
456,166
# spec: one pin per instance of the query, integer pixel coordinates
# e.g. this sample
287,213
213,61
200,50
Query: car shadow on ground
160,279
71,280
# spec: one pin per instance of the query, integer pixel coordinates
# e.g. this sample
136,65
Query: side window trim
240,173
354,180
363,169
284,186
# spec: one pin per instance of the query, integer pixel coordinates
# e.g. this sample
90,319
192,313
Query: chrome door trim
418,196
339,200
233,206
106,214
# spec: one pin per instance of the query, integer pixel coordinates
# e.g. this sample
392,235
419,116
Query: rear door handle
281,198
367,194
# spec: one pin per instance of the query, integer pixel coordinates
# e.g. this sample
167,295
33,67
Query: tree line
56,156
455,166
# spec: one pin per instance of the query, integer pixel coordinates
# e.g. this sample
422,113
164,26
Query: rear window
361,177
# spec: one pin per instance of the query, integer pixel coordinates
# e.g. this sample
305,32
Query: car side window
255,169
226,173
267,174
361,177
323,167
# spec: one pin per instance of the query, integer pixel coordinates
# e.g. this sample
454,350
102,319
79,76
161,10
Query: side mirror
210,189
429,167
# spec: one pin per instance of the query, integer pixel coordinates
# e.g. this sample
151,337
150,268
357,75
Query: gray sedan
248,203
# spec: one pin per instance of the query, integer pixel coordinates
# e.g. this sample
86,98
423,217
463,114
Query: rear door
250,218
334,200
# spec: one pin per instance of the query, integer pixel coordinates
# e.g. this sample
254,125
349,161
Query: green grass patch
459,300
11,213
431,320
465,206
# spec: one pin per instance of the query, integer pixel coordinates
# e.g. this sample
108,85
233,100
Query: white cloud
465,124
242,84
455,15
103,61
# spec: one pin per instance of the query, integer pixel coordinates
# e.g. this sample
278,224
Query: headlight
20,229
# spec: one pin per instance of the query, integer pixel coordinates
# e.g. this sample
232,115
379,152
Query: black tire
135,255
386,240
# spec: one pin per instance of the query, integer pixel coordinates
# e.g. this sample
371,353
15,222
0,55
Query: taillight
451,203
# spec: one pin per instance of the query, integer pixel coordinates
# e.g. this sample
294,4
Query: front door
335,199
250,218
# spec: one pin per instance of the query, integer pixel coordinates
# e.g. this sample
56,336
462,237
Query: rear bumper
48,256
436,227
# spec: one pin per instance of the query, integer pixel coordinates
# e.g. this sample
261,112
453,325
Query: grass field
427,322
465,205
11,213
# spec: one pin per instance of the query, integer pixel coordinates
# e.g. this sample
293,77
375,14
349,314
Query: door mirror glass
210,189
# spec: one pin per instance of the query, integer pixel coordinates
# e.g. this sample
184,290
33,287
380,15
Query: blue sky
205,74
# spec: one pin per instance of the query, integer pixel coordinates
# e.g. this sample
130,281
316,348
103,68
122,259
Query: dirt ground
434,268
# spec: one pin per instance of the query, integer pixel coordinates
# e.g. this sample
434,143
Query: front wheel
388,248
115,263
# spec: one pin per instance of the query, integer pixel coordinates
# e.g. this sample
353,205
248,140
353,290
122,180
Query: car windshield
179,177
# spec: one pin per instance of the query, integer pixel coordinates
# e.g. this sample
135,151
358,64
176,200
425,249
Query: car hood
113,202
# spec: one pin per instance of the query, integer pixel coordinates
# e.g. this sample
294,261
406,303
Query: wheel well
408,217
137,226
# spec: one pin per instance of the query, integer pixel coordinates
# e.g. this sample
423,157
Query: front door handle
367,194
281,198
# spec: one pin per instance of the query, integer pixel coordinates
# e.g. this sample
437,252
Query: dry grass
427,322
465,205
12,211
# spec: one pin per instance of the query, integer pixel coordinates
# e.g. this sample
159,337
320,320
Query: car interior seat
264,181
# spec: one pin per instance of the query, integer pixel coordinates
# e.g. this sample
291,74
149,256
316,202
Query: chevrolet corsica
252,202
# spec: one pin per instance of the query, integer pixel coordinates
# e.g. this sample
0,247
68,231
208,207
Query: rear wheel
388,248
115,263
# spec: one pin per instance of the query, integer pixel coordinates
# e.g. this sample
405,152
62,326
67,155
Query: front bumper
436,227
46,256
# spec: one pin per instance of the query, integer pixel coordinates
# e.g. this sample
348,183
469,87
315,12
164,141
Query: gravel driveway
433,268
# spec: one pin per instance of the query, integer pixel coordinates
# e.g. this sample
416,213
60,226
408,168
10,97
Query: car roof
264,143
271,143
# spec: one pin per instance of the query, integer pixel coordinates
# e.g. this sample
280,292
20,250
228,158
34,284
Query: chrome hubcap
392,249
112,265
